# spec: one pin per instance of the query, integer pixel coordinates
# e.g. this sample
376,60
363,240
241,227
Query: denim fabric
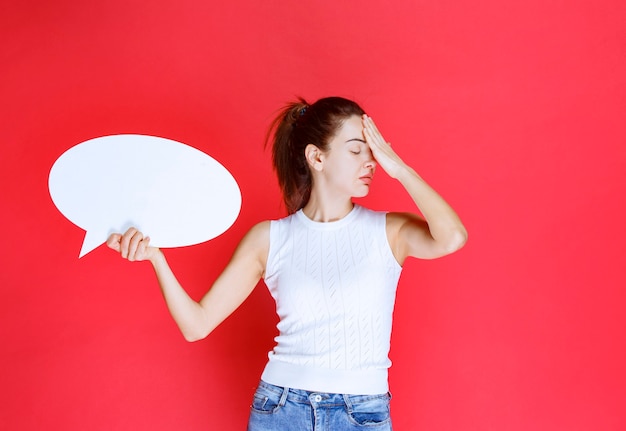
283,409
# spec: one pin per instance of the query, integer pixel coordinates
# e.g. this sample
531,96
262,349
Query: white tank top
334,285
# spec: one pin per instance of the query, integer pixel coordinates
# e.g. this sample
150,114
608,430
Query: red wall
514,111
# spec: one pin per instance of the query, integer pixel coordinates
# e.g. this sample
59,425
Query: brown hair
297,125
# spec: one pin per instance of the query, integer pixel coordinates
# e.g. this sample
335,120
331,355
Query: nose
370,163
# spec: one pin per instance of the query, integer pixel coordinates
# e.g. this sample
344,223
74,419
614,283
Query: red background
513,110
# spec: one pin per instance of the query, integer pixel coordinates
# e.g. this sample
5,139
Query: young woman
331,265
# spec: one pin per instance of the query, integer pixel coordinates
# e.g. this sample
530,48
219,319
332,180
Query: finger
125,241
367,131
113,242
133,246
369,122
372,131
142,247
373,139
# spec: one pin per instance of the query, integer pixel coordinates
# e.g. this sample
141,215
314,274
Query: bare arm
197,319
440,232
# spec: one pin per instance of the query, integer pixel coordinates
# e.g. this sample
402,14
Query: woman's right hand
132,245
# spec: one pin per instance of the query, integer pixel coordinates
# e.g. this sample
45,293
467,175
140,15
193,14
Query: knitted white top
334,285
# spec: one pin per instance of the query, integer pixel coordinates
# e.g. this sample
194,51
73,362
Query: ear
314,157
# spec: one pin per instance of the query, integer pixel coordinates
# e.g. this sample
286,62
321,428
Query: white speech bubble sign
174,193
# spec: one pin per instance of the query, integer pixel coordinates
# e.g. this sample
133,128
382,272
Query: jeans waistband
319,398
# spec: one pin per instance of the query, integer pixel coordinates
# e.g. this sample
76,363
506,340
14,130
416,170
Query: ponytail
294,177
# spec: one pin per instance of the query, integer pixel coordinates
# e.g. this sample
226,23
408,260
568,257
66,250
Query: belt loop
346,400
283,397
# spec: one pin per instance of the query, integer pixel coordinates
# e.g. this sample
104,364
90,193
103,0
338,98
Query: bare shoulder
261,228
254,246
258,237
408,235
397,220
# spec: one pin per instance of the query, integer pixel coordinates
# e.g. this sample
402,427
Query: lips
367,179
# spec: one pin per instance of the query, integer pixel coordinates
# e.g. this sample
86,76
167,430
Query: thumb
113,241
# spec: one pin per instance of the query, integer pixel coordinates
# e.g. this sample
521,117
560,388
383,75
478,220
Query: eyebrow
356,139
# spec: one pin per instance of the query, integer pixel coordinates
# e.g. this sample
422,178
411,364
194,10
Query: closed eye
356,149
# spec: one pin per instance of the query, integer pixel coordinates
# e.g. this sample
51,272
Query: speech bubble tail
92,241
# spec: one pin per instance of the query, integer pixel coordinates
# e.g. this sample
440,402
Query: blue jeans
284,409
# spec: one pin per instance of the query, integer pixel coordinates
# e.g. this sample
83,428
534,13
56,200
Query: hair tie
302,111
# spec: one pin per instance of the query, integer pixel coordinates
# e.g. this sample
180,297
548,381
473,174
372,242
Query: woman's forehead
352,128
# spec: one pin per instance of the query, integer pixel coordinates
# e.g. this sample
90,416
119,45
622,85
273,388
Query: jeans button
318,398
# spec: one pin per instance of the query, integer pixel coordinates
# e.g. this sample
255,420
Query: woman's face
348,165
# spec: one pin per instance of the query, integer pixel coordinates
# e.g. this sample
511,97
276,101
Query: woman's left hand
381,149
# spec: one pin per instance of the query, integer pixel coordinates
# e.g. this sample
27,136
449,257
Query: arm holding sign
196,320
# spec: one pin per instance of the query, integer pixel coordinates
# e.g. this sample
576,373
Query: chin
361,194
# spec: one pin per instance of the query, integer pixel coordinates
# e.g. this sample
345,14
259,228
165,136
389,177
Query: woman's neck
325,211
